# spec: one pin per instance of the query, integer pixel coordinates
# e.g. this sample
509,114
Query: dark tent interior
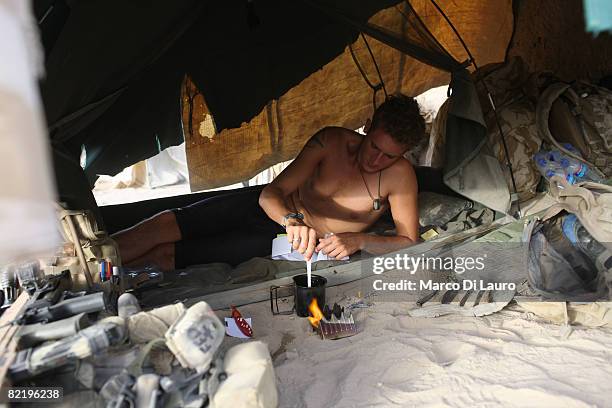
114,69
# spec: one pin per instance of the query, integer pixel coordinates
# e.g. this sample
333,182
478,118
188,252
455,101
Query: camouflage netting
338,94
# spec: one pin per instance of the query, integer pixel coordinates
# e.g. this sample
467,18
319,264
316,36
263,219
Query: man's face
379,151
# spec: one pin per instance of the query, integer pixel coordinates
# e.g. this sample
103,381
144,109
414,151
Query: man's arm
403,199
274,196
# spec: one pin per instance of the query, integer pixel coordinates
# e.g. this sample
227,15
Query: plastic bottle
549,168
574,169
579,170
588,244
580,237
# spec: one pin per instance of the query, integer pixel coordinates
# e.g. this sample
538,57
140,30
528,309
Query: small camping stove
336,323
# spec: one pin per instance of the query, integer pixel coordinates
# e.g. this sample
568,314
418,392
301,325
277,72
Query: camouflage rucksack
579,114
516,115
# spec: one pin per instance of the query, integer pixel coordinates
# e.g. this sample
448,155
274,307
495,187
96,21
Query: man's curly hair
401,118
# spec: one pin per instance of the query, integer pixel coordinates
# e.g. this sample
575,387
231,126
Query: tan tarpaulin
337,95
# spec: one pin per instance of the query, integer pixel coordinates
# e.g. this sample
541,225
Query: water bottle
575,232
579,170
574,169
549,168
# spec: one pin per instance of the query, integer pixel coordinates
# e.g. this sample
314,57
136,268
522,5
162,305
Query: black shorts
230,227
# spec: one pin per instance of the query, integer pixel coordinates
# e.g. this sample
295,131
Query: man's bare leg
162,255
136,241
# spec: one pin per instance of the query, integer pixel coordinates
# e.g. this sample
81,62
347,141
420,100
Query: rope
381,84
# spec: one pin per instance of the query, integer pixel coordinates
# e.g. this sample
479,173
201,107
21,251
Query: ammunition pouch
81,234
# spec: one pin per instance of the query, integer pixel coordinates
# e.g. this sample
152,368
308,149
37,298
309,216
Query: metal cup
302,294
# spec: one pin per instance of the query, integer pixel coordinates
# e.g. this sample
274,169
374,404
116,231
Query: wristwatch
287,217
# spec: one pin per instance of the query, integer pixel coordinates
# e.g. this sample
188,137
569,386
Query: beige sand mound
507,359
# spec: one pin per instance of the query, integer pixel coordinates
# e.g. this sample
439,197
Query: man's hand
341,245
302,238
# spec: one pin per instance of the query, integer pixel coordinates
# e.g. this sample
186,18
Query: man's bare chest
343,190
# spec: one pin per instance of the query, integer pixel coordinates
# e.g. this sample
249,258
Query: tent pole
515,197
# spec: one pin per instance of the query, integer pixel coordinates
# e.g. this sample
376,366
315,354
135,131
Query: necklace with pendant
376,202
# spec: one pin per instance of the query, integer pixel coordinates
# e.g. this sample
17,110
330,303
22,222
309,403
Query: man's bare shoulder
404,176
330,136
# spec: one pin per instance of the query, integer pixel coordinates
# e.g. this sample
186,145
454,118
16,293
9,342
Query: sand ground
510,359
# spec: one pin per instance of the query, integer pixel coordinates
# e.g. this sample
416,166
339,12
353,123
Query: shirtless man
339,185
342,182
